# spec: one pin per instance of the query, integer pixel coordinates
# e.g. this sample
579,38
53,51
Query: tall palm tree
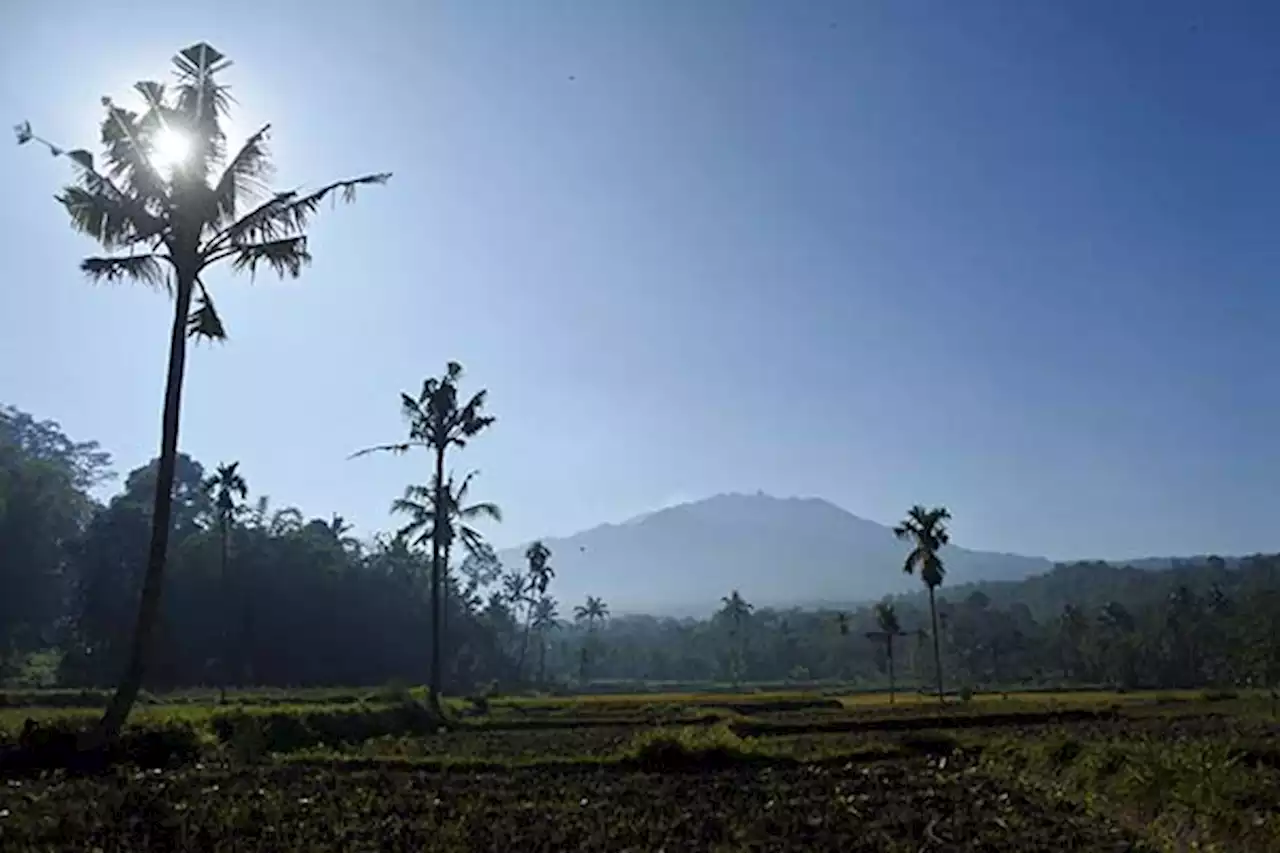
418,503
529,588
437,422
546,616
890,629
595,610
926,530
166,224
736,610
227,488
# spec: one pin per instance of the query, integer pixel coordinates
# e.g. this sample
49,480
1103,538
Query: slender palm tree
889,630
546,616
736,610
593,611
167,205
926,529
228,488
529,588
438,421
418,503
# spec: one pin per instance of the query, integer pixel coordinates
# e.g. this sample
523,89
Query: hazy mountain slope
773,550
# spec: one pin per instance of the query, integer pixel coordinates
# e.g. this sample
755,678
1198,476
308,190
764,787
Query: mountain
775,551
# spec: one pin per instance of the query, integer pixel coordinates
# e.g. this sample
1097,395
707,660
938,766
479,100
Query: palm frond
129,141
146,269
487,510
405,506
204,322
244,178
286,214
401,447
285,257
107,215
202,103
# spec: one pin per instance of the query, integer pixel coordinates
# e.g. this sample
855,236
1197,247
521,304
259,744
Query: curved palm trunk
161,519
937,647
437,553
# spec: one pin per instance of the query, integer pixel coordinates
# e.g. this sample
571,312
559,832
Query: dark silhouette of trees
229,489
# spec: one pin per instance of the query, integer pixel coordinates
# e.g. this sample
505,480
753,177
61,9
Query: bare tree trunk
225,668
937,647
161,520
437,549
892,681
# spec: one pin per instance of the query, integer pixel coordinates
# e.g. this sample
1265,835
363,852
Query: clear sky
1018,258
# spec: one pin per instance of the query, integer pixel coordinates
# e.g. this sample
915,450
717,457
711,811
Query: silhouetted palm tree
528,588
887,619
926,529
546,616
595,610
437,421
227,488
736,610
166,225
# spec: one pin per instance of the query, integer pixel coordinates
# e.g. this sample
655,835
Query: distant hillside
775,551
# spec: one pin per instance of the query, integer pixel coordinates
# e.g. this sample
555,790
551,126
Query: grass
770,770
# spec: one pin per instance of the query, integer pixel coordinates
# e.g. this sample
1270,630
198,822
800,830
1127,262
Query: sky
1014,258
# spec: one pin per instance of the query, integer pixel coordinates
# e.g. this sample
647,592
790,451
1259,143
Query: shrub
665,750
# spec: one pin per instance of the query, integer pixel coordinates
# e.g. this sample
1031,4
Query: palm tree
736,610
926,529
418,503
887,619
525,588
595,610
546,616
228,488
166,224
436,423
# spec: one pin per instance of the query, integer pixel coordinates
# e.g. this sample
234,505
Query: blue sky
1017,258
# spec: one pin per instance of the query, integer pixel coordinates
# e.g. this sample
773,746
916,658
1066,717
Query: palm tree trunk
161,519
892,682
225,669
937,647
444,608
524,642
437,552
542,658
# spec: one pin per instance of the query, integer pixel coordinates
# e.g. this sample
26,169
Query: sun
169,149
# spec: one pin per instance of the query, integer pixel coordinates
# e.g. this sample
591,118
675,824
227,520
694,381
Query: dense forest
260,595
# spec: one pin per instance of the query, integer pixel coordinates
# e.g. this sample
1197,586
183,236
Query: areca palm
889,630
228,488
168,225
736,610
438,421
526,587
926,529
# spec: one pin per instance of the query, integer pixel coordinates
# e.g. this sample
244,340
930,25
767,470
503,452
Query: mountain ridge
775,551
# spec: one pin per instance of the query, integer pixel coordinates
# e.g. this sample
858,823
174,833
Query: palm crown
594,610
163,226
418,503
927,530
228,488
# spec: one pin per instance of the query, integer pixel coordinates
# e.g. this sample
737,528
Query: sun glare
169,149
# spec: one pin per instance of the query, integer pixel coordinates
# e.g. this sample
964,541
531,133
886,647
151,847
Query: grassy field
371,770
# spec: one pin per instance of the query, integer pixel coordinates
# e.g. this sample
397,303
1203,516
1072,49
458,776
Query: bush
249,732
665,750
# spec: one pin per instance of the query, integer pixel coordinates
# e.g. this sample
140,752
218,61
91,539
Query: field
360,770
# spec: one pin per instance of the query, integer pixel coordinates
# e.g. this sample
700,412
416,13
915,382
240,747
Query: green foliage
665,750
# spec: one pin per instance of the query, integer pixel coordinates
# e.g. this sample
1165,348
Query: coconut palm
889,630
926,529
227,487
167,204
546,616
595,610
526,588
437,422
